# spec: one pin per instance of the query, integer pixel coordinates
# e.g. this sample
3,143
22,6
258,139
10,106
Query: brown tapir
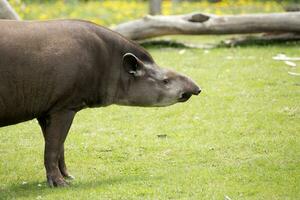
52,69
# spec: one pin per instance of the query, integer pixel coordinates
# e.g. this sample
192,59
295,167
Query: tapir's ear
131,64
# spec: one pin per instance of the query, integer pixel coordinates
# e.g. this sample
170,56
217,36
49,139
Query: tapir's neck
114,84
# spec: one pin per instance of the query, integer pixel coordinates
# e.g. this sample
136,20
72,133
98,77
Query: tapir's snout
191,89
196,91
186,95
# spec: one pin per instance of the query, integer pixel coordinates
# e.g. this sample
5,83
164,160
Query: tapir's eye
166,81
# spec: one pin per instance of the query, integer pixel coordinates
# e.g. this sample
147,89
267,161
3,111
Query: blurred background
112,12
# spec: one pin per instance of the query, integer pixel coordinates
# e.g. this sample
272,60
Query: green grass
239,138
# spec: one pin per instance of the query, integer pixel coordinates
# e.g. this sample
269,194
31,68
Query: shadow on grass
156,44
38,190
259,43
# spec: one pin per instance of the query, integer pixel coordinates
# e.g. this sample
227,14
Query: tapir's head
146,84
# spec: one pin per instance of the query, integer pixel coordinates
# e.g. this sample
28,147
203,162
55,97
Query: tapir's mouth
184,97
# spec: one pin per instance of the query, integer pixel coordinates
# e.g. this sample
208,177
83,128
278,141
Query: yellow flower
43,16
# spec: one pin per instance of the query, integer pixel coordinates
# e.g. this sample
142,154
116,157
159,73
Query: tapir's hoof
56,182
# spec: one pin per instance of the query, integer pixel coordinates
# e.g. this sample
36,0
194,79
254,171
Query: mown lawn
238,140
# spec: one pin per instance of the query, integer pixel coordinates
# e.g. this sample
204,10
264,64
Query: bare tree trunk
197,24
155,7
7,12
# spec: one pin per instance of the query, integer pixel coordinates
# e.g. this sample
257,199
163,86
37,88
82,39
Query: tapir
50,70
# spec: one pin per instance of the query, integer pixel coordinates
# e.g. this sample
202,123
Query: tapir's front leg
55,128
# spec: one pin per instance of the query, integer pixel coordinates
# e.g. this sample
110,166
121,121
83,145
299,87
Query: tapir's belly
16,108
24,95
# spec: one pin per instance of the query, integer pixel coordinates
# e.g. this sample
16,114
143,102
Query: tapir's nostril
197,91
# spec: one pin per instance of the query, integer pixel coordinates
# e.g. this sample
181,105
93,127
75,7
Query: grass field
238,140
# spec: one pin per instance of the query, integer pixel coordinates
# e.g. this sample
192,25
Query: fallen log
198,24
